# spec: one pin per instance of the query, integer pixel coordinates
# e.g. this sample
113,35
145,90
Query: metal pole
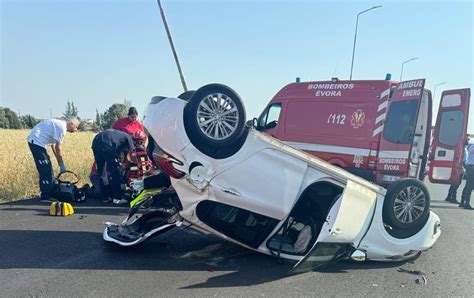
434,91
354,47
355,36
401,72
170,39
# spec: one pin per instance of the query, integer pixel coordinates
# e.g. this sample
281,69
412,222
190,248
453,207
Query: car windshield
400,122
272,115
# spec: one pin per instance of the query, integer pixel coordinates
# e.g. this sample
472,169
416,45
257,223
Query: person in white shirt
49,132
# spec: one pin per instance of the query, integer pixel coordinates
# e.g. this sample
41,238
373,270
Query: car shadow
346,265
444,206
177,250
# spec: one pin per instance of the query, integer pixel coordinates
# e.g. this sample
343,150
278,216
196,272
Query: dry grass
18,174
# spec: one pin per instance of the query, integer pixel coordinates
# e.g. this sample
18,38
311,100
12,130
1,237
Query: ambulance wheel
214,119
406,206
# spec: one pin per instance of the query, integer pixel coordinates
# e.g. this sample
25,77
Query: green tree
4,123
116,111
29,121
9,119
82,126
71,110
98,123
127,103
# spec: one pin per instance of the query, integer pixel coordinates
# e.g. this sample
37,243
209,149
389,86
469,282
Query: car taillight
166,163
374,148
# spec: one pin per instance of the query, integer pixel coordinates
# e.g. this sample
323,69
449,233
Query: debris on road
415,272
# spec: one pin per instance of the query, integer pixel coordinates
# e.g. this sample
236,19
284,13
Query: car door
449,137
346,224
399,132
266,183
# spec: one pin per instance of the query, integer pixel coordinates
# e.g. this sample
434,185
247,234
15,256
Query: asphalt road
42,255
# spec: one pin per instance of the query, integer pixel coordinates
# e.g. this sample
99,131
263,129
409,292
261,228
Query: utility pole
401,72
50,114
170,39
434,91
355,35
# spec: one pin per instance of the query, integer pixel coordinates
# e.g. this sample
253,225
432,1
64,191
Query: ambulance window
272,115
451,127
400,122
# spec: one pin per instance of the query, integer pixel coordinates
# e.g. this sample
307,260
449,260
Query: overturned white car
251,189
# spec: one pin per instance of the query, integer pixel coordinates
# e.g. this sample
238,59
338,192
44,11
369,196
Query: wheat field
18,174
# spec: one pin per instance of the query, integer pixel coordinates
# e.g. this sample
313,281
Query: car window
451,127
399,125
320,255
272,115
239,224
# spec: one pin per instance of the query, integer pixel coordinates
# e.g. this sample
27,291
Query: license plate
390,178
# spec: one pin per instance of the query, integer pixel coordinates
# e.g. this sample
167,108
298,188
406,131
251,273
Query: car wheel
406,205
214,119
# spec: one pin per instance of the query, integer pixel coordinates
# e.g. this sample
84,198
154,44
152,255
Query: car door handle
230,191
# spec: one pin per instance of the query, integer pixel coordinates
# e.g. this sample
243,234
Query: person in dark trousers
107,147
49,132
469,166
452,192
453,189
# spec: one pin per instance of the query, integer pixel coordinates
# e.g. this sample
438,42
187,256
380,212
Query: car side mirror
251,123
271,125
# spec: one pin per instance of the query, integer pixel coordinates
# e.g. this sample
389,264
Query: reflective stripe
377,131
329,149
441,173
393,154
385,93
382,106
380,118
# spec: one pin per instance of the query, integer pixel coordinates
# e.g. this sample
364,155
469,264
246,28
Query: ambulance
377,129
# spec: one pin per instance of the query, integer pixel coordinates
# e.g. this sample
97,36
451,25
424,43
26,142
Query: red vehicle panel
339,121
379,129
449,137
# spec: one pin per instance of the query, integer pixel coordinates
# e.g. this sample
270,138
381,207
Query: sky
99,52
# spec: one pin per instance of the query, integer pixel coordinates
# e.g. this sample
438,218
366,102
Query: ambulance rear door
449,137
398,134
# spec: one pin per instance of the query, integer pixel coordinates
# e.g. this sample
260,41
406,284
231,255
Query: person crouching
107,147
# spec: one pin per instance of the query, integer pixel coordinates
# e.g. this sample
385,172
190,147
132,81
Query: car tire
406,206
186,95
214,120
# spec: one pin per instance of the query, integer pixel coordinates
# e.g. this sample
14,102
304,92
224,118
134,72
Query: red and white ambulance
377,129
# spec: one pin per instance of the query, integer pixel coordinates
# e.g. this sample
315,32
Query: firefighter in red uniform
129,124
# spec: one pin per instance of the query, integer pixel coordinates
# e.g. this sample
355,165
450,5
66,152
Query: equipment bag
60,209
67,191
